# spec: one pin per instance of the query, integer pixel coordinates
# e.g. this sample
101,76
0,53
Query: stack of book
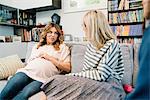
134,4
128,30
113,5
126,17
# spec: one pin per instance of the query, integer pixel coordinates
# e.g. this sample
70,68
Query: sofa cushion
136,67
29,49
127,51
9,65
77,57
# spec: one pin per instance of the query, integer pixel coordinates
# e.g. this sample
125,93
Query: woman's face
52,36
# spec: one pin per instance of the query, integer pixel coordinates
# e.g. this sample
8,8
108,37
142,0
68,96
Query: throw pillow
9,66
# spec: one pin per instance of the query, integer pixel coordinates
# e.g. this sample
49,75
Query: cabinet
126,19
8,15
27,18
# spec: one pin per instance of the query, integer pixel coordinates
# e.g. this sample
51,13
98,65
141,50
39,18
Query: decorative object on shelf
36,33
8,39
16,39
56,19
2,38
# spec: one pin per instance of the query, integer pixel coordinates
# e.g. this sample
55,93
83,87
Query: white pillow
9,66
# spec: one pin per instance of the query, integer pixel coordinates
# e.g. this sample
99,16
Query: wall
10,48
71,22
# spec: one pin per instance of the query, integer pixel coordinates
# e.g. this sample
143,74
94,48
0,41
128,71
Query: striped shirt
102,64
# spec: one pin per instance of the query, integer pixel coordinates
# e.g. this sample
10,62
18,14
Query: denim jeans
20,87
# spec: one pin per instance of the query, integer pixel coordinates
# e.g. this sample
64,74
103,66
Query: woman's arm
65,66
63,62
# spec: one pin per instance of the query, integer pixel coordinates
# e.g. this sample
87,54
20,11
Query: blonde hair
98,30
46,30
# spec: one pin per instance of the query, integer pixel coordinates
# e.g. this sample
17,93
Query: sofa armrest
2,84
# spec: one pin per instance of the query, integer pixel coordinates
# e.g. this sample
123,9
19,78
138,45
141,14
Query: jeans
20,87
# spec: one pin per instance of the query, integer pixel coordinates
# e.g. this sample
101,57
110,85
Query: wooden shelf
40,26
137,36
129,23
125,10
14,25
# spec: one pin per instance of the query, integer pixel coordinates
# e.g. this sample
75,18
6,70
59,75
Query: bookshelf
126,20
27,18
20,21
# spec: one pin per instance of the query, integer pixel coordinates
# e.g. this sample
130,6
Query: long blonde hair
97,28
46,30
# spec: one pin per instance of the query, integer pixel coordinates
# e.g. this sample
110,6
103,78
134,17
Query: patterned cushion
9,65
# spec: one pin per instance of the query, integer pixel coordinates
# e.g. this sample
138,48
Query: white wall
71,22
7,49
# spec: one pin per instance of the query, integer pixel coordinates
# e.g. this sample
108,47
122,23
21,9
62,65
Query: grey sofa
77,55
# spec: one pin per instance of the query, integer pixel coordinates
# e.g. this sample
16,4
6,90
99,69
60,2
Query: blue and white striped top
102,64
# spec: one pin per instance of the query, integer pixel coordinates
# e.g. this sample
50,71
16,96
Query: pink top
41,69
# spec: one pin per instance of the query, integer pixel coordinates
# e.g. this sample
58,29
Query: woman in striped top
103,58
103,67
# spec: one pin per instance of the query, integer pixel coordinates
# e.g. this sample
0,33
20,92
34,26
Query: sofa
77,54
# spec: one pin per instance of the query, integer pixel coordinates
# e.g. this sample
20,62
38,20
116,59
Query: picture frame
16,39
2,38
71,6
68,37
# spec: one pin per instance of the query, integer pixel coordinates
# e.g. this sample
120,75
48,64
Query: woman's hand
46,56
65,66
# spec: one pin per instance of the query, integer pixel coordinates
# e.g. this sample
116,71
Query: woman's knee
14,85
31,89
19,76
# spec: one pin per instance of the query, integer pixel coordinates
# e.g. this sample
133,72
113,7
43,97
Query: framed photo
16,38
2,38
68,37
82,5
